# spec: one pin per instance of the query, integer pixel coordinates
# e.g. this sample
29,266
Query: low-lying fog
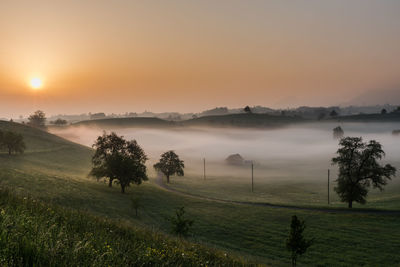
301,151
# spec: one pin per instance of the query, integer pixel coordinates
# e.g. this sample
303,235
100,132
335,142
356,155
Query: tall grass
34,233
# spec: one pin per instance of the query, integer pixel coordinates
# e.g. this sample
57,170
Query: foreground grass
33,233
59,176
255,233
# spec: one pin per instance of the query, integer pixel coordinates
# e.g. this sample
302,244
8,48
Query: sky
187,56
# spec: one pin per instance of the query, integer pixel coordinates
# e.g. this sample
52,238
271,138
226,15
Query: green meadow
47,197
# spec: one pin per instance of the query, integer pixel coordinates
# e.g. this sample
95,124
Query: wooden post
328,185
204,168
252,177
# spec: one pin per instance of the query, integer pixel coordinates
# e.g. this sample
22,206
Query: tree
296,243
13,142
180,225
321,116
59,122
135,201
359,168
118,159
338,132
333,113
247,110
170,164
397,110
37,119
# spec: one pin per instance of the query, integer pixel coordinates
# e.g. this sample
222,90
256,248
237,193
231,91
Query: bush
180,225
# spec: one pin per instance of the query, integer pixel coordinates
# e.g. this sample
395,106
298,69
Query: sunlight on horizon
36,83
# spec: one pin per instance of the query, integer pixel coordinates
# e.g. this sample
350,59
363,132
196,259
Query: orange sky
118,56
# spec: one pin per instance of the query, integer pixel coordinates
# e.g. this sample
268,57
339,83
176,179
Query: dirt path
160,183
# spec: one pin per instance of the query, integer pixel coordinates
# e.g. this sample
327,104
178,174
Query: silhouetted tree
59,122
247,109
333,113
296,243
170,164
321,116
359,168
383,111
13,142
180,225
97,116
118,159
338,132
37,119
136,203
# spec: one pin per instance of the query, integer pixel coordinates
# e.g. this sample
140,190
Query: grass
302,191
34,233
254,233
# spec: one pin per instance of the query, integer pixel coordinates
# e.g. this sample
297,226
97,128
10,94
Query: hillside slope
244,120
231,120
126,122
46,153
34,233
50,190
55,173
390,117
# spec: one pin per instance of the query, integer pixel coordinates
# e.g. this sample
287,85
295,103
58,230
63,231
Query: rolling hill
126,122
56,214
230,120
60,217
390,117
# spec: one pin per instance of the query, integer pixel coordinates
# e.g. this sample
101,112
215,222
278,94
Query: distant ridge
390,117
127,122
245,120
241,120
231,120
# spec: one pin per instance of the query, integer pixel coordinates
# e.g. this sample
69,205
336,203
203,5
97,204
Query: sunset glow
218,53
36,83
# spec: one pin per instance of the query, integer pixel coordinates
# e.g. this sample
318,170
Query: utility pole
252,177
204,168
328,185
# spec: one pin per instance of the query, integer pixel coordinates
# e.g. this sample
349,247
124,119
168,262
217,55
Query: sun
36,83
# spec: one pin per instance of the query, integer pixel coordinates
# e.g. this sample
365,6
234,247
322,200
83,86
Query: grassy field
55,171
299,191
35,233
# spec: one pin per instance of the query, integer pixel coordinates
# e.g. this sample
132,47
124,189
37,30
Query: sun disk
36,83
